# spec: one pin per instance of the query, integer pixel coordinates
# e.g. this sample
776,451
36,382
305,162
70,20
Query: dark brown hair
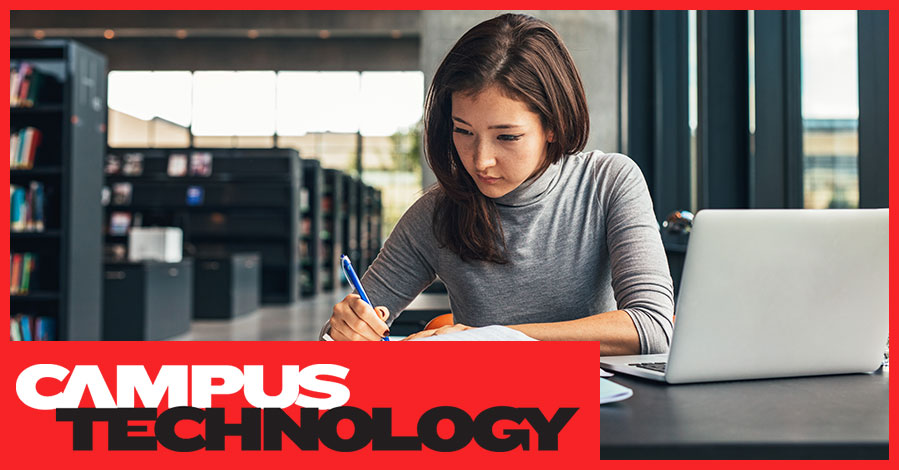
527,59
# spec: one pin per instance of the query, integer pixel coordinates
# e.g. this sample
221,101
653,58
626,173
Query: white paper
487,333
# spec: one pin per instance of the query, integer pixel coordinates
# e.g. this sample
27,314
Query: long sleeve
640,276
406,264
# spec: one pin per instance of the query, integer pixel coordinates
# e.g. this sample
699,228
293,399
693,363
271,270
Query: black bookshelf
374,232
311,242
69,109
248,201
349,215
369,224
332,231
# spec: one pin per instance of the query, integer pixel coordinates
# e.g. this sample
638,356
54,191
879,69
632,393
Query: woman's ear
550,137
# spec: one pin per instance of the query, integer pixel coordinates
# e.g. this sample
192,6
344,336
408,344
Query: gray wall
591,36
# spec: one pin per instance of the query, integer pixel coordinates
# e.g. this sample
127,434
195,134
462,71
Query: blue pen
351,276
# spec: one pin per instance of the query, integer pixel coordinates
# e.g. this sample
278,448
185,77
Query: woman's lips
488,180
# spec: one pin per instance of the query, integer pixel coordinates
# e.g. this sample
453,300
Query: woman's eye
509,137
459,130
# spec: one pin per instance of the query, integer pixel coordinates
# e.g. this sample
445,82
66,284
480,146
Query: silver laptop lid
779,293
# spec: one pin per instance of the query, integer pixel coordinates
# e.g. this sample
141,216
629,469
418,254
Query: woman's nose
483,157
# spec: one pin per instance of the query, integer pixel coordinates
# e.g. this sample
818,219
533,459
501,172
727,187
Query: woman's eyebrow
497,126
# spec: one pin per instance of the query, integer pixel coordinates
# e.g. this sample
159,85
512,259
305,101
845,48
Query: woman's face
500,140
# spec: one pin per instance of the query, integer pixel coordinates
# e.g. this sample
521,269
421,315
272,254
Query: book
15,274
119,222
45,329
16,208
194,195
177,165
25,326
27,269
112,164
36,210
201,164
133,164
23,145
121,194
28,85
15,332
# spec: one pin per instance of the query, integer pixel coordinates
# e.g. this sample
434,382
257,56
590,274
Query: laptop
776,293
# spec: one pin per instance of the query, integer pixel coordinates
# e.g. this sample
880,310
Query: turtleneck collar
531,190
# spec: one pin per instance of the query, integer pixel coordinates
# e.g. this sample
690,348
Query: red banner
436,404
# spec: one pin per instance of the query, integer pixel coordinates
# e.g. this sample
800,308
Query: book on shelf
26,327
23,146
121,194
28,85
194,195
119,222
26,207
201,164
112,165
177,165
133,164
304,200
21,270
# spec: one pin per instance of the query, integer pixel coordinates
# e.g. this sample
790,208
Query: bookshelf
369,233
374,231
349,215
332,232
57,138
311,241
226,201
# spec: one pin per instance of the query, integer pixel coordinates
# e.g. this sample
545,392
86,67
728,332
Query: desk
422,310
833,417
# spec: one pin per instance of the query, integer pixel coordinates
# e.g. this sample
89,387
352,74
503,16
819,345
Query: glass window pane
391,102
317,102
830,108
149,109
234,103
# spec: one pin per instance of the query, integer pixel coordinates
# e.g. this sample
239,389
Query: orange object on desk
440,320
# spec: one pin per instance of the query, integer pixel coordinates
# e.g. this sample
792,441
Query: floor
297,322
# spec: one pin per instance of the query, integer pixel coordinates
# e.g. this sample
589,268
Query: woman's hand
439,331
354,320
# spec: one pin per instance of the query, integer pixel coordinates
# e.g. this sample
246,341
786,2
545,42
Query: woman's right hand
354,320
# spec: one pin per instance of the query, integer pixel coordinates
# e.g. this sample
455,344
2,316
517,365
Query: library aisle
300,321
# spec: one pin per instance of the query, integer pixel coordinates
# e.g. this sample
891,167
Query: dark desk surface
833,417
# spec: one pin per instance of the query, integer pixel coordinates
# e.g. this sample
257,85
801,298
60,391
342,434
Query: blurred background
196,174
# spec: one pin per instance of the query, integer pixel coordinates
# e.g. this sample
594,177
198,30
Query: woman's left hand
439,331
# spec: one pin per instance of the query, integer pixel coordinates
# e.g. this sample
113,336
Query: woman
523,229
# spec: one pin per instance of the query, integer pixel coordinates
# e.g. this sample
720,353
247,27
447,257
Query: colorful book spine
26,327
15,333
15,277
26,208
23,146
22,267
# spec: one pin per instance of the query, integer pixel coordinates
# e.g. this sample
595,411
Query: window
830,108
321,114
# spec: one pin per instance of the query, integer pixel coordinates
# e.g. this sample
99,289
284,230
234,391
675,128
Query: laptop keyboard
656,366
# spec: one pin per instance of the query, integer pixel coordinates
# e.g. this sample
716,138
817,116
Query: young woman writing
523,229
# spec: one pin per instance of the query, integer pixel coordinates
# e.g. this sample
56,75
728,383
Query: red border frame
8,350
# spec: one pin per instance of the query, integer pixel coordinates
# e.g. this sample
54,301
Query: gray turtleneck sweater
581,239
